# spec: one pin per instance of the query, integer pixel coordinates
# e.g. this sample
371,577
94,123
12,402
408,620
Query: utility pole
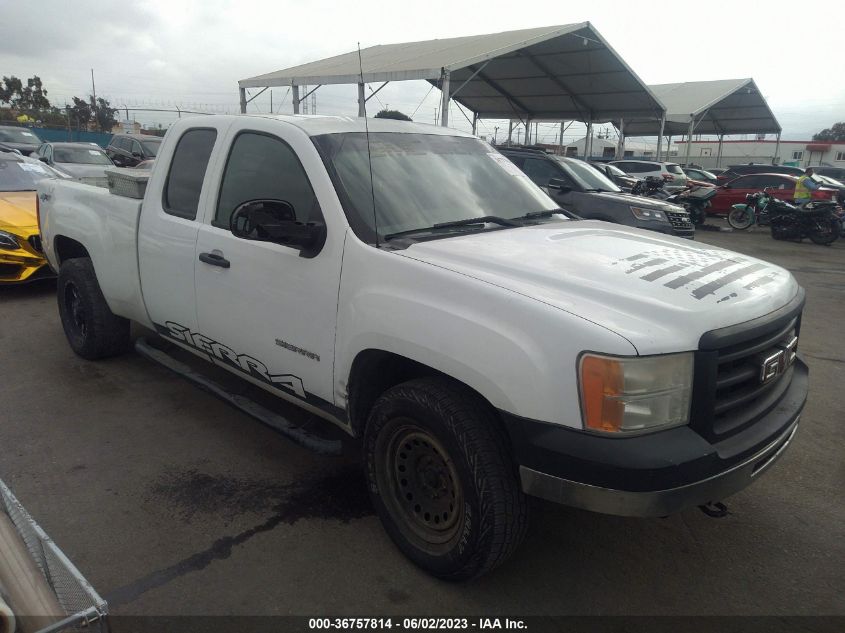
271,102
495,134
93,89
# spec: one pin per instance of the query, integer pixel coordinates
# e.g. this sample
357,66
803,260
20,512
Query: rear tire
741,219
441,477
91,328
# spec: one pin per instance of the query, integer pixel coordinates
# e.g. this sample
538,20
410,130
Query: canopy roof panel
724,106
556,72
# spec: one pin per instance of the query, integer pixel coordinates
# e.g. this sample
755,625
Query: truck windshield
587,176
420,180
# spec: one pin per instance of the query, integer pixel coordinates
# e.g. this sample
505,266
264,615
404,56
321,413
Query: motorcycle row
820,220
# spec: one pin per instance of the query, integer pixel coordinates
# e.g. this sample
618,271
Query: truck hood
659,292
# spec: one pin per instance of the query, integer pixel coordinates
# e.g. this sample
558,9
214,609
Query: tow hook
714,509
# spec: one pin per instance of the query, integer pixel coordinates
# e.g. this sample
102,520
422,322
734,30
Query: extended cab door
266,310
167,233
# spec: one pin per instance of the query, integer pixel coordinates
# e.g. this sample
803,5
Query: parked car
20,138
127,150
783,188
616,175
21,259
482,345
578,187
837,173
831,183
700,175
84,162
672,174
717,170
734,171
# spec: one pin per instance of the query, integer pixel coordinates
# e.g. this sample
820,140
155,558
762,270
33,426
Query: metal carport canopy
724,106
555,72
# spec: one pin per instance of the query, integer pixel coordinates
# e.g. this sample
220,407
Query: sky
191,53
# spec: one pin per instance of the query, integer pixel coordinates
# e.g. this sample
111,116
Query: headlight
9,241
648,214
635,394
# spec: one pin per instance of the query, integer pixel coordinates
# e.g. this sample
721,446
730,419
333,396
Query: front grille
35,243
10,271
730,391
681,224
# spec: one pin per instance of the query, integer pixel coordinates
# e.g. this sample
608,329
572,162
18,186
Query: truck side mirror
275,221
558,186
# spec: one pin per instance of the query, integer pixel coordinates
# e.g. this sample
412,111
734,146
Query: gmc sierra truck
411,285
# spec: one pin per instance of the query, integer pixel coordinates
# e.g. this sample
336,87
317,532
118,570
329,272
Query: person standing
805,187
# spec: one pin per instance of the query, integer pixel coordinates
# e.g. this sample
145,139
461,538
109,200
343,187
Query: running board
298,435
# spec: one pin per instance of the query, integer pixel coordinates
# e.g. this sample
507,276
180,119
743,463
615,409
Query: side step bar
298,435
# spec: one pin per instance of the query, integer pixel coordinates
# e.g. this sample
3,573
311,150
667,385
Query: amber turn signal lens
602,382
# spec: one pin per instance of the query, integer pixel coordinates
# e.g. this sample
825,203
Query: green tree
103,114
33,96
80,113
834,133
10,90
393,114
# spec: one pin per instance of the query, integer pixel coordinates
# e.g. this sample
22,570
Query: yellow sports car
20,245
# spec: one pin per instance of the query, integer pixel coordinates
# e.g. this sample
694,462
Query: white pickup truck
409,284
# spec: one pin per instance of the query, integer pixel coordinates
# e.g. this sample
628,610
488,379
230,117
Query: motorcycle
695,200
651,187
816,220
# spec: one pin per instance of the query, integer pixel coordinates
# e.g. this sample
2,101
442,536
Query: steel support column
510,132
362,101
777,149
294,91
689,139
719,154
620,146
660,137
242,92
444,102
560,141
474,122
588,142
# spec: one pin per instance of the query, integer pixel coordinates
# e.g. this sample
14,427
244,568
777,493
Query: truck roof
315,125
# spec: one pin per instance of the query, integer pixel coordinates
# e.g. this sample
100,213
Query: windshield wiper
534,215
491,219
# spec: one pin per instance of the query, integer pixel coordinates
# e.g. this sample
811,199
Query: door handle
215,258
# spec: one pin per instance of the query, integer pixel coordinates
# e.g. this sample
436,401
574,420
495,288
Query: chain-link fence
84,608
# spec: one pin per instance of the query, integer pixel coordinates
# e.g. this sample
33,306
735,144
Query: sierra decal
218,352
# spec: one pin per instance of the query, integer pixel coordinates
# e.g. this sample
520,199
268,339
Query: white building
606,148
797,153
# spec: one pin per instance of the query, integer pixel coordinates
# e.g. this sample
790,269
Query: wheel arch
67,248
374,371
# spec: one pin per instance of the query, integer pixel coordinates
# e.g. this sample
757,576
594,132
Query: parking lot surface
172,502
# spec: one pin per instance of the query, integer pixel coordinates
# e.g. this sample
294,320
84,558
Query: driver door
267,311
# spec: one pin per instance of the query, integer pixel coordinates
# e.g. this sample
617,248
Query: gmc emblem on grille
774,365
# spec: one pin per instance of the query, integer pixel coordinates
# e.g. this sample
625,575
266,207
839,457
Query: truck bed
107,224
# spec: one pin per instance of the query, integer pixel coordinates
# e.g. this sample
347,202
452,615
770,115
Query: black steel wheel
91,328
442,479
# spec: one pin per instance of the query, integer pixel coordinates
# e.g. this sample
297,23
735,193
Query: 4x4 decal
241,362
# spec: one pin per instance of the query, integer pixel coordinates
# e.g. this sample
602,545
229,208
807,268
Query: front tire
91,328
741,219
441,478
825,232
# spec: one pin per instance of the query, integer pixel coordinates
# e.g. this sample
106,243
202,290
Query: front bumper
654,474
22,265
